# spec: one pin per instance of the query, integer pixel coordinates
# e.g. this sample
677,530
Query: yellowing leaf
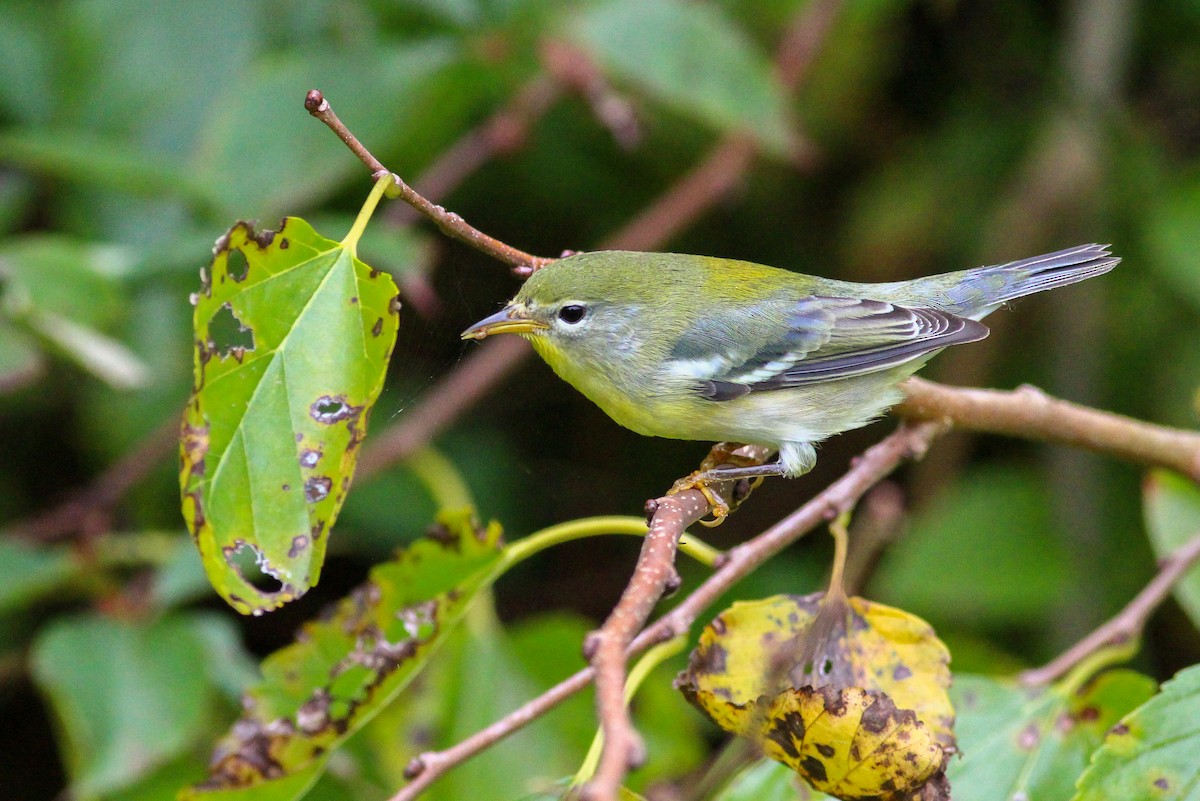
293,335
851,743
850,693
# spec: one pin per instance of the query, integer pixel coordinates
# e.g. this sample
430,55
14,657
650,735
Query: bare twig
1127,624
605,648
1032,414
909,441
449,223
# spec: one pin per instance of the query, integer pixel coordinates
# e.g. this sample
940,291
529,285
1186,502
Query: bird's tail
975,293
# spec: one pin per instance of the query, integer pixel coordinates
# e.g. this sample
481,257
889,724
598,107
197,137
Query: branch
1127,624
605,649
1032,414
447,222
909,441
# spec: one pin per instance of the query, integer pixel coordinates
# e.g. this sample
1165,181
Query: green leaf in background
1034,743
1152,752
127,696
20,359
28,573
1171,231
982,553
259,131
1172,509
346,667
768,780
689,56
59,292
293,335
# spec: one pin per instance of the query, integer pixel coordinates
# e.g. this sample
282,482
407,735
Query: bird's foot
721,459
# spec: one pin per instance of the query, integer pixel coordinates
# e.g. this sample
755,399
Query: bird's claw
718,507
723,455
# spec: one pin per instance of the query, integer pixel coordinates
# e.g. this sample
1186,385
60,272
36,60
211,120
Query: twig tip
314,101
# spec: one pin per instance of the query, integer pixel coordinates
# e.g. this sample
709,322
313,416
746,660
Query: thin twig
909,441
449,223
1032,414
1127,624
605,648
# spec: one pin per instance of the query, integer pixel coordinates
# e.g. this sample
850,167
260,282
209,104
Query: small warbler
702,348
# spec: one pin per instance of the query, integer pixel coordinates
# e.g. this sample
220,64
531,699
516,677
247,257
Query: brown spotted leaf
1152,752
850,742
1020,742
292,339
850,693
344,668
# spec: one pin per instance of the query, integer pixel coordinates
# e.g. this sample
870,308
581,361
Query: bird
711,349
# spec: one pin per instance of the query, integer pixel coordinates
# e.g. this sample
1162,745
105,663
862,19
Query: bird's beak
509,320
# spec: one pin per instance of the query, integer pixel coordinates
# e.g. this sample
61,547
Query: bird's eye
572,313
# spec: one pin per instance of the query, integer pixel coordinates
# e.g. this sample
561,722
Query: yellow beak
509,320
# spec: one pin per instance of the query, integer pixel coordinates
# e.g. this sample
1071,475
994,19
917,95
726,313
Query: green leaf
20,359
1027,743
1151,753
768,780
127,697
102,356
691,57
1171,229
28,573
293,335
61,291
346,667
1172,509
981,554
258,132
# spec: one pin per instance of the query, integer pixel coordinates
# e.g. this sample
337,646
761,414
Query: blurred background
868,140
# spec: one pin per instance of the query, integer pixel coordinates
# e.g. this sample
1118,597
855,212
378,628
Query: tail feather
1052,270
978,292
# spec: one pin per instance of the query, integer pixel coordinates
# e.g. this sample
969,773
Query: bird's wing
827,338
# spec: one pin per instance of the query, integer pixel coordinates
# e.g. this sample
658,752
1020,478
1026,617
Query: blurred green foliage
931,136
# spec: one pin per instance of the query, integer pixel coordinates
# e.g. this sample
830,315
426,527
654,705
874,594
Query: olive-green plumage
694,347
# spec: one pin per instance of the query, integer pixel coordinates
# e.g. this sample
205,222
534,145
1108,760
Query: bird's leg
723,463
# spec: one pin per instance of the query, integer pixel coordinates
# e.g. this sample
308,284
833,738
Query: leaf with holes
292,339
1151,753
347,666
849,693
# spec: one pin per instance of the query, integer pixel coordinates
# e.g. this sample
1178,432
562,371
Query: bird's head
591,307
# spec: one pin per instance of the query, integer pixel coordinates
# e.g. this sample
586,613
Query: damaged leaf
292,339
1151,753
1034,743
849,693
347,666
